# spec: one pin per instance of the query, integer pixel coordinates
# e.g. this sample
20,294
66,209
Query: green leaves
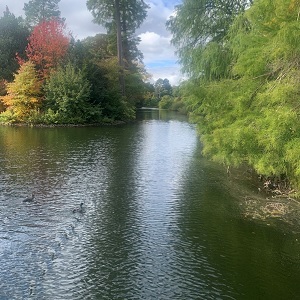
199,23
67,95
249,112
13,39
37,11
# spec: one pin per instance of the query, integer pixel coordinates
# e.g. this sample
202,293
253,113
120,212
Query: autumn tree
13,39
23,94
48,44
37,11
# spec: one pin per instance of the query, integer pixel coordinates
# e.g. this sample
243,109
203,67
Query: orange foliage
47,45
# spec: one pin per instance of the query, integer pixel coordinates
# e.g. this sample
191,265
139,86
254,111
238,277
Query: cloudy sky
159,56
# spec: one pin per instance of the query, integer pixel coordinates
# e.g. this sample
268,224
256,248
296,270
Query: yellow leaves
23,94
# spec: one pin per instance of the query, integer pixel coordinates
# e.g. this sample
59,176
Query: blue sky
159,54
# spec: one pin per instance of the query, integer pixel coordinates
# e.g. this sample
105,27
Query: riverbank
262,201
108,123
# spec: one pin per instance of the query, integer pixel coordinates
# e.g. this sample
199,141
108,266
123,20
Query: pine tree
37,11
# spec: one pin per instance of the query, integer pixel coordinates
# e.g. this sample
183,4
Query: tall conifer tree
121,18
37,11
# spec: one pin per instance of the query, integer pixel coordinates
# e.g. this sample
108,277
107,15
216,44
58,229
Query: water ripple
152,226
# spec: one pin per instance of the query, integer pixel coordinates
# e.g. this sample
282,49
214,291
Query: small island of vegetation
49,78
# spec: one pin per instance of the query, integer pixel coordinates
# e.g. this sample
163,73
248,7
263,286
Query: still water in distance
159,221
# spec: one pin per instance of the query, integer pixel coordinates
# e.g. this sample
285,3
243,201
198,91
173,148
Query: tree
67,96
37,11
162,88
197,23
122,18
13,39
48,44
24,93
252,116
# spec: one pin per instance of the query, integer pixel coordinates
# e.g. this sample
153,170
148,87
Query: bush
166,102
67,94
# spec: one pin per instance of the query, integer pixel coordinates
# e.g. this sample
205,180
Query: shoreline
42,125
259,203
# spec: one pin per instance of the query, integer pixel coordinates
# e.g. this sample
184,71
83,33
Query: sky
159,55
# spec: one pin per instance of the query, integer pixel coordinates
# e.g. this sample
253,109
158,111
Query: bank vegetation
243,91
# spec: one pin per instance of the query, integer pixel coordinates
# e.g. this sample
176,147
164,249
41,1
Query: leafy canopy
197,23
13,39
251,113
37,11
48,44
24,93
67,95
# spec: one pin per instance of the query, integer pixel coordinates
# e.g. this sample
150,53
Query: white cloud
159,57
156,47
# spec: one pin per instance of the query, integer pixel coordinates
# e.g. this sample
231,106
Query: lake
160,221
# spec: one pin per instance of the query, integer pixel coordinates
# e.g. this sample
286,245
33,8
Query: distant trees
37,11
162,88
13,39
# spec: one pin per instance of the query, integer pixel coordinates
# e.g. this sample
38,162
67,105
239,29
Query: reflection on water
159,222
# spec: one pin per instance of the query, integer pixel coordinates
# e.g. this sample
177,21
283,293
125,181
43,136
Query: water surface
160,221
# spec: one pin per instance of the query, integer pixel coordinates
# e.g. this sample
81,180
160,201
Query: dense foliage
23,94
13,39
67,93
37,11
66,81
244,93
47,45
121,19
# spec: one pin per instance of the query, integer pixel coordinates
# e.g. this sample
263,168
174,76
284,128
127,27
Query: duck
79,210
29,199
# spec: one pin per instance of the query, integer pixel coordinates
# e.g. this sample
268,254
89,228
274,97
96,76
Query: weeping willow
246,97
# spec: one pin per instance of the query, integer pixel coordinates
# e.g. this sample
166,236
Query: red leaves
47,45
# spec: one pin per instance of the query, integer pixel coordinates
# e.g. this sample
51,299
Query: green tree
37,11
67,93
13,40
198,24
121,18
252,115
162,88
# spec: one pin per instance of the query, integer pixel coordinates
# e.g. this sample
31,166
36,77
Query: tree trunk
119,46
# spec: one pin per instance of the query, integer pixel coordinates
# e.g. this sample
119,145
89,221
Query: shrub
67,93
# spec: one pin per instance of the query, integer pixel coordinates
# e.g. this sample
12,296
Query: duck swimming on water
79,210
29,199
